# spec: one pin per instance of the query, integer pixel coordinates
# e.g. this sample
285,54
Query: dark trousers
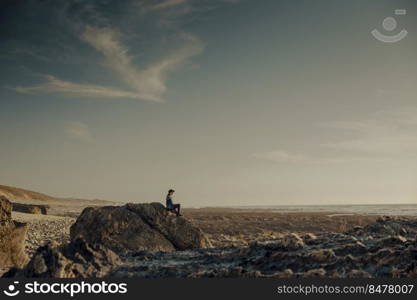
175,208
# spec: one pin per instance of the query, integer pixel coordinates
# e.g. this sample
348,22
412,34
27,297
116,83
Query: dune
57,205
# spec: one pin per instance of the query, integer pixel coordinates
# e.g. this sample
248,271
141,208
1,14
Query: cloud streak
55,85
283,156
388,136
166,4
385,134
148,83
79,131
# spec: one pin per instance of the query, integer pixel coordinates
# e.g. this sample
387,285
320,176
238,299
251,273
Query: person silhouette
170,206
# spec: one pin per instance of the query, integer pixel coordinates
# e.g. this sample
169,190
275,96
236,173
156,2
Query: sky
229,102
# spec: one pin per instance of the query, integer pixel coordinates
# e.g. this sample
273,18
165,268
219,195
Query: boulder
5,210
355,249
322,255
392,241
390,226
78,259
12,238
137,227
292,241
31,208
309,238
358,274
314,273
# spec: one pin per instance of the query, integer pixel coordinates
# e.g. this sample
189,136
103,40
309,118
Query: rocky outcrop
136,227
31,208
5,210
376,251
75,260
12,237
387,225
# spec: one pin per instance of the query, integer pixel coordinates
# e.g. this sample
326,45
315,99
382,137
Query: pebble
44,228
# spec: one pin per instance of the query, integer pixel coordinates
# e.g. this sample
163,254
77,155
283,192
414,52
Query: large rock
31,208
388,226
12,237
78,259
136,227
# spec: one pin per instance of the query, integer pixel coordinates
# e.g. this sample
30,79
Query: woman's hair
170,191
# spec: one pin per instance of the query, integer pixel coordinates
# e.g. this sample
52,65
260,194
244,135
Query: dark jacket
169,203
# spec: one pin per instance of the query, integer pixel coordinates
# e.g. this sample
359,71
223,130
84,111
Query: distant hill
59,206
14,193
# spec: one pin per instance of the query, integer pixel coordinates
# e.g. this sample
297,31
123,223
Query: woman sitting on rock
170,205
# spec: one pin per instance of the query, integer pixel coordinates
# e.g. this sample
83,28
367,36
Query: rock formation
376,250
31,208
136,227
12,237
75,260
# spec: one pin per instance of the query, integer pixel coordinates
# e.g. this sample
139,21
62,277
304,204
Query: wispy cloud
166,4
386,133
153,5
282,156
399,146
385,136
55,85
148,83
171,12
79,131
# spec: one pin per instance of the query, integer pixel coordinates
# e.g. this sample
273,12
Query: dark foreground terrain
242,243
386,248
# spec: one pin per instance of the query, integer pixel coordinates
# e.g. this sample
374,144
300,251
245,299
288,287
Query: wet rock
309,238
354,249
358,274
330,255
368,238
322,255
314,273
288,273
392,226
392,241
403,231
228,273
292,241
407,271
382,253
345,263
